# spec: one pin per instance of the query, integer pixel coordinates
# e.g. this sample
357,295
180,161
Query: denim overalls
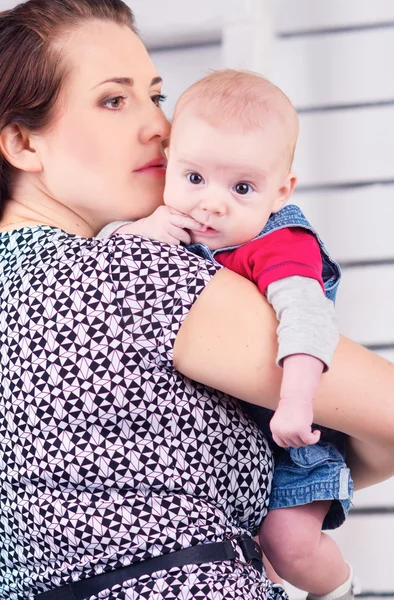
316,472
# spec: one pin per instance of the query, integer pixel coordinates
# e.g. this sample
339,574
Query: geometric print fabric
107,454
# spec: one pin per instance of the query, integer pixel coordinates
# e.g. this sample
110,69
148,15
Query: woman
111,453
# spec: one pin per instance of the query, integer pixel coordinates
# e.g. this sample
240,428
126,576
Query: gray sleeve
110,229
307,319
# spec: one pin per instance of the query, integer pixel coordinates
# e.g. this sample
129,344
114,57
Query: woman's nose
156,125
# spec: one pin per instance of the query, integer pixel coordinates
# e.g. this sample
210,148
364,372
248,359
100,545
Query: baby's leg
271,573
269,569
298,550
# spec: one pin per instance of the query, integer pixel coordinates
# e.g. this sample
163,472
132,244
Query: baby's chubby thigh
292,535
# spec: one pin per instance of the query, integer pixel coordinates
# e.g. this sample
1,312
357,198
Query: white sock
340,591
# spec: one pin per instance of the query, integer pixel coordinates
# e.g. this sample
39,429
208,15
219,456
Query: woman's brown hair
32,71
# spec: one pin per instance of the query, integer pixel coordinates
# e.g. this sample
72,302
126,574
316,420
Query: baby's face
229,181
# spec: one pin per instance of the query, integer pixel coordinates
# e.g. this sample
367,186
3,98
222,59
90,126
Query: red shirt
280,254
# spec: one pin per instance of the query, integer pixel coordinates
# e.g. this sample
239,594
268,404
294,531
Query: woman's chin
143,200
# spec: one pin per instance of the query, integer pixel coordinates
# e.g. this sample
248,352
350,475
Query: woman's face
110,126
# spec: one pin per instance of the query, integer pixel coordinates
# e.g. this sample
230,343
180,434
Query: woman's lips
154,167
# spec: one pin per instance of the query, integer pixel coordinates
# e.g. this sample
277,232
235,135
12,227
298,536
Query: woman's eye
158,99
115,103
243,189
195,178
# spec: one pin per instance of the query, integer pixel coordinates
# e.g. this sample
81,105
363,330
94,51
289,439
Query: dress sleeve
156,285
284,253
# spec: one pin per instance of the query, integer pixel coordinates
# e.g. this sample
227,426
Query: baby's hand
291,424
165,225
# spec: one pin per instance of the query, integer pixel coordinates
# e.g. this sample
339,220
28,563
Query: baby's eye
243,188
195,178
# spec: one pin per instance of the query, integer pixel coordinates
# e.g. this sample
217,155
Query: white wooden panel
355,224
175,22
7,4
182,67
381,495
389,355
249,40
305,15
367,544
347,68
345,146
376,495
365,304
367,541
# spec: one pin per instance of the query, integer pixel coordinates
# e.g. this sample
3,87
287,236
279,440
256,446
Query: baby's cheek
173,196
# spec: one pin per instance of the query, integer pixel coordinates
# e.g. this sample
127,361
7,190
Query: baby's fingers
303,438
186,222
279,441
181,235
294,441
311,437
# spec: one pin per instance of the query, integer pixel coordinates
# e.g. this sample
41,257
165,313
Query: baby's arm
308,335
286,266
164,225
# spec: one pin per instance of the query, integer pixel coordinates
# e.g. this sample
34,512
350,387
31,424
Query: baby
228,178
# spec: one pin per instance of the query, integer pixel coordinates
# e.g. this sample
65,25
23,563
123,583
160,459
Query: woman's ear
16,147
285,191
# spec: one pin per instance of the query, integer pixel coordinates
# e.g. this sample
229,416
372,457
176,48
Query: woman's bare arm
228,341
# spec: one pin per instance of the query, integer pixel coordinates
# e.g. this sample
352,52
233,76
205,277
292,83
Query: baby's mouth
207,231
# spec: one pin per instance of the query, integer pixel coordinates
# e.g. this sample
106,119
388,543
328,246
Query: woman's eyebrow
127,81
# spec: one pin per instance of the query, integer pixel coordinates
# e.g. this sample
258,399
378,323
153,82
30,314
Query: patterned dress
108,455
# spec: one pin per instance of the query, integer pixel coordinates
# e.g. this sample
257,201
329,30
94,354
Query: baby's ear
285,191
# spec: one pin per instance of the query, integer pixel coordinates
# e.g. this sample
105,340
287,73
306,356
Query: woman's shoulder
41,245
119,255
144,249
47,239
160,265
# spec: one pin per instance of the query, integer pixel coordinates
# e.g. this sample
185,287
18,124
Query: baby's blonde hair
240,99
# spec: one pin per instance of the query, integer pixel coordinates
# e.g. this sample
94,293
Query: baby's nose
214,207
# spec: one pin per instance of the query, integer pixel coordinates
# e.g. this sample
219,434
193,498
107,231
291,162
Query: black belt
196,555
